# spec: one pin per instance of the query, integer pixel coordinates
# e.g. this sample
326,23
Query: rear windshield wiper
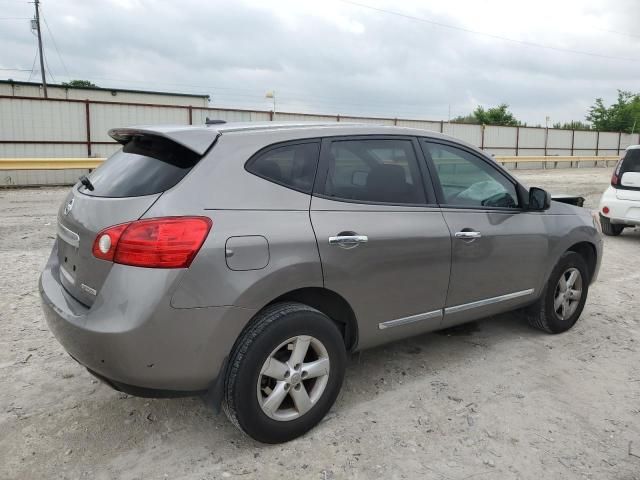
86,182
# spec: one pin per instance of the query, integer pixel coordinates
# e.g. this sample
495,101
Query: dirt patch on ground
494,399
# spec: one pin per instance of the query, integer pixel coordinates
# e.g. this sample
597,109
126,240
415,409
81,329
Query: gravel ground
492,399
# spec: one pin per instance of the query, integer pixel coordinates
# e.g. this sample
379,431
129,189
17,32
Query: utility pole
44,79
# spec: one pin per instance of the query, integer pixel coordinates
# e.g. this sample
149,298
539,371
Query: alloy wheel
568,293
293,378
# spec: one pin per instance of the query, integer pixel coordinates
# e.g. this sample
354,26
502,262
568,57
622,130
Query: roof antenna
211,121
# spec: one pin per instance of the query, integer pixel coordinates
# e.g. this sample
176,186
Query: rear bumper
142,391
133,339
625,212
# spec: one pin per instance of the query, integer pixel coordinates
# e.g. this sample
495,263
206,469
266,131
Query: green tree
573,125
621,116
466,119
78,83
499,115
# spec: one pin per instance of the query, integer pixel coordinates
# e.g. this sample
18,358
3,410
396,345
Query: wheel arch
332,304
588,251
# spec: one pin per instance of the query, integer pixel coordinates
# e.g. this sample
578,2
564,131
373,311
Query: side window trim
323,170
287,143
438,186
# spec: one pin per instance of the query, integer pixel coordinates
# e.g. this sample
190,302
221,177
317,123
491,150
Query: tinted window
468,181
146,165
383,171
293,166
631,161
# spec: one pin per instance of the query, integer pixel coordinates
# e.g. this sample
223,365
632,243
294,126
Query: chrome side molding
411,319
458,308
488,301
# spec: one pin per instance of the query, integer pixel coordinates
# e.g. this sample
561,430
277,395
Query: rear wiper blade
86,182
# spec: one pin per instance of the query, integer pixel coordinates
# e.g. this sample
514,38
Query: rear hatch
121,190
629,163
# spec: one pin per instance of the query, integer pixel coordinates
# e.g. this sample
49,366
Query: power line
35,57
328,107
624,34
46,62
255,94
33,65
489,35
55,44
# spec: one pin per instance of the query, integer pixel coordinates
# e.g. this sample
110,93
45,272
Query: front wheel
610,229
285,372
564,296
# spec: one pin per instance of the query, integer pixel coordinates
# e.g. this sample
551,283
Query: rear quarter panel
242,204
293,261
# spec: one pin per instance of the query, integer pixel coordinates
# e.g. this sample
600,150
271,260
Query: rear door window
291,165
374,171
146,165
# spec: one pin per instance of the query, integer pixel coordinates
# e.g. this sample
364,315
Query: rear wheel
564,296
608,228
285,372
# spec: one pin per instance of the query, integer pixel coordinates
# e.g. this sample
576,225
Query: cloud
335,57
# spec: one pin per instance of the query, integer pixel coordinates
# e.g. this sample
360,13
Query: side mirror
539,199
630,179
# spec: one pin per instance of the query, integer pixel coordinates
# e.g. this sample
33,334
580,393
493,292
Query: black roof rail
212,121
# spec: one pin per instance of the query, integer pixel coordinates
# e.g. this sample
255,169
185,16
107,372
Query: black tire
542,314
610,229
270,328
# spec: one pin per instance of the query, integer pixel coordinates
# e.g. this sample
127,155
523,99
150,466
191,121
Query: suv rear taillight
168,242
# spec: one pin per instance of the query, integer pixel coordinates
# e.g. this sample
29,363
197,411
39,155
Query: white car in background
620,203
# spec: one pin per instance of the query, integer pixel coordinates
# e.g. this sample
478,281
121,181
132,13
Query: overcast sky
334,56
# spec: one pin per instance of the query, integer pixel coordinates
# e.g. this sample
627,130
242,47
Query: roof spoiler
196,140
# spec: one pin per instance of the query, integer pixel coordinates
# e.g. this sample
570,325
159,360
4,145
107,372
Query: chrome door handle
348,241
468,235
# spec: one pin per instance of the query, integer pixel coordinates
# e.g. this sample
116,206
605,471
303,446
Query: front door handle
468,235
348,241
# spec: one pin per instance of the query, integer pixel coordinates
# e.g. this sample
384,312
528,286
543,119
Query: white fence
34,127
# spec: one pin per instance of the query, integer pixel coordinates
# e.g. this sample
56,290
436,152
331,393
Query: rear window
146,165
631,162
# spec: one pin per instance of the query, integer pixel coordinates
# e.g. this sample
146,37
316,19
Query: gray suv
242,262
